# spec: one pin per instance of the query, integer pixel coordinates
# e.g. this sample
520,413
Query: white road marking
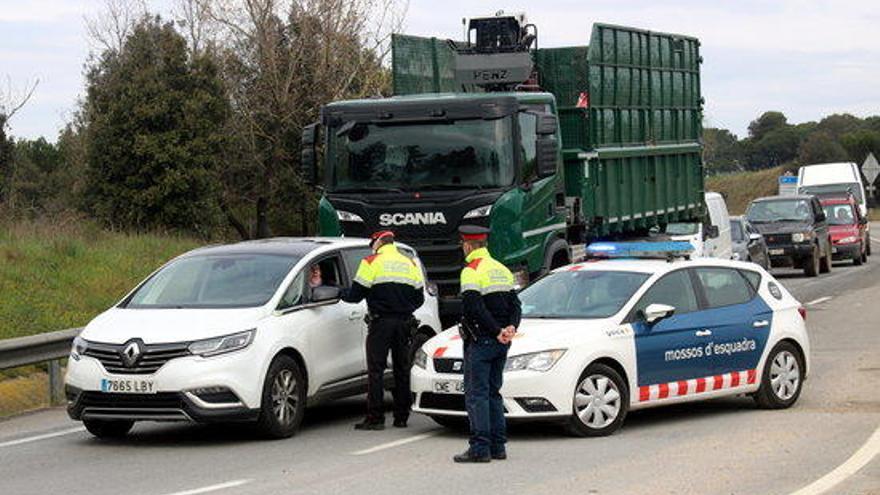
875,239
44,436
858,460
819,301
397,443
212,488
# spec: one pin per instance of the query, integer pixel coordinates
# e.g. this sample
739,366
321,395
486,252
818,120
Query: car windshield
852,187
736,231
682,228
580,294
455,154
839,214
214,281
784,210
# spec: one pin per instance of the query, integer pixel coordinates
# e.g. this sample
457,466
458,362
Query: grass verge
740,189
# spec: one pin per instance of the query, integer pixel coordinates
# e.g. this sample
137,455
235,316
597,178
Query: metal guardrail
51,347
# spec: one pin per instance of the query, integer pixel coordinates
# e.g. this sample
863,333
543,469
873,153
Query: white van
832,178
709,240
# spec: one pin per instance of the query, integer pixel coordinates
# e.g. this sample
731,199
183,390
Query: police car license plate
127,386
448,386
774,252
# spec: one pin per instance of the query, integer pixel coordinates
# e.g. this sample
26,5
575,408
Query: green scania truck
549,147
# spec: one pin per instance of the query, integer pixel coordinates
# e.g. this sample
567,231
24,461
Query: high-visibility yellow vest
484,274
388,265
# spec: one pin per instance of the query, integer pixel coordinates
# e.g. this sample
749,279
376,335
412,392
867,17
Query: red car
848,228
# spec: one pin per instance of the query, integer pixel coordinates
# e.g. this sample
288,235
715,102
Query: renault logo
131,352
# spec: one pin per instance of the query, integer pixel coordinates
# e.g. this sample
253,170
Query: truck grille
447,365
152,358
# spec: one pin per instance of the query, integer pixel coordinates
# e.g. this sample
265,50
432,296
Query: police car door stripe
696,386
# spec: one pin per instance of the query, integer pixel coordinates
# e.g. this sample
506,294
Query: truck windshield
791,210
214,281
455,154
580,294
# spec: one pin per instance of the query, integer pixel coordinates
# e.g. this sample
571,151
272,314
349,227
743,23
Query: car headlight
535,361
421,359
482,211
347,216
79,348
848,240
222,345
801,236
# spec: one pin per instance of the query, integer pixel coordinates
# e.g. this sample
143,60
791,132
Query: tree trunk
263,218
235,223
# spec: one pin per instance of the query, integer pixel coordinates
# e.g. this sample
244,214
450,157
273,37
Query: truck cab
422,166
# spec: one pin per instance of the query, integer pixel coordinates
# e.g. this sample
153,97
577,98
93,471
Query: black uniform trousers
388,333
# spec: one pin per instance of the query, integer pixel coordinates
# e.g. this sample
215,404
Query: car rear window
724,287
754,278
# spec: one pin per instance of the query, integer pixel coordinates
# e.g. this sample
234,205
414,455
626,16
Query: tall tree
820,147
284,60
767,122
154,120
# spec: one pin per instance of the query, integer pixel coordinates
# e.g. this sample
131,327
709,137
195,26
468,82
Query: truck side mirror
710,231
547,124
309,154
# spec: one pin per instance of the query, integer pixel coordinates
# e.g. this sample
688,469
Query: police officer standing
491,313
393,285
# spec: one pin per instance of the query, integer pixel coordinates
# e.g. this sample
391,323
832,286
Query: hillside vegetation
60,274
741,188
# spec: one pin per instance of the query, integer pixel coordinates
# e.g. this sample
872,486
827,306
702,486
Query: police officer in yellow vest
393,286
490,315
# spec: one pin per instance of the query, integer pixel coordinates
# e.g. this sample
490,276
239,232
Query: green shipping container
633,152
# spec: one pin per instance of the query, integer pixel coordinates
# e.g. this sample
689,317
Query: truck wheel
811,264
601,401
284,399
782,378
108,428
825,262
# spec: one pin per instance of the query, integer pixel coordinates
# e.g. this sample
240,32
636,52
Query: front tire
106,428
284,399
811,264
601,401
859,257
782,378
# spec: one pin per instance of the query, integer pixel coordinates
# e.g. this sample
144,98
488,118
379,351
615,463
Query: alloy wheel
284,397
597,401
785,375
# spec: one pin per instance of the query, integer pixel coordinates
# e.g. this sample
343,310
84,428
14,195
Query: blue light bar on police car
639,249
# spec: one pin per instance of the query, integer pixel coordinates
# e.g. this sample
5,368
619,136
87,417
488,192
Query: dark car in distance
796,232
748,243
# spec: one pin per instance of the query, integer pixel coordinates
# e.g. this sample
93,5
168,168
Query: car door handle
703,333
354,315
761,323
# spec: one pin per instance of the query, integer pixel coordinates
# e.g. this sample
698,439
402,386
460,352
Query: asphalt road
726,446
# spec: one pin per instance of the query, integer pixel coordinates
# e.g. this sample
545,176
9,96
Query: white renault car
601,338
252,331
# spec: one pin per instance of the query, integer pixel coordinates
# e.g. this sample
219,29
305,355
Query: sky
805,58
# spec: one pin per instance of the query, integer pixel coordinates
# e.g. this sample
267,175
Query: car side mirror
325,293
863,221
710,231
656,312
820,217
309,154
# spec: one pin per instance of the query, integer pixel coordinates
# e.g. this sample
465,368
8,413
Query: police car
607,336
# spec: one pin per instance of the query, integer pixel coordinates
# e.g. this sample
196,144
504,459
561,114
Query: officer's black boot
370,425
468,456
400,422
